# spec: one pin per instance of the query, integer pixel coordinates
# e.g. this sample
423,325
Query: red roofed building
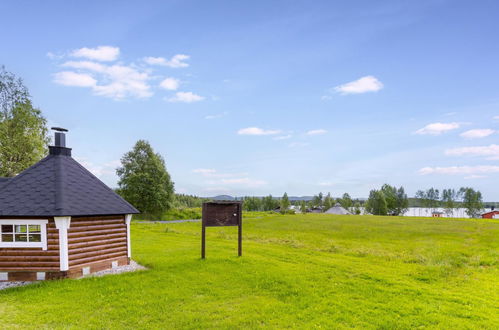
491,215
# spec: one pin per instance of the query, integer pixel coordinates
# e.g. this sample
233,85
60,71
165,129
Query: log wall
33,259
96,239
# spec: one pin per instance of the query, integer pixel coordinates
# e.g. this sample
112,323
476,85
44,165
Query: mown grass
297,271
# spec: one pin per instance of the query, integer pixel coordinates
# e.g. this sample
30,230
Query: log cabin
58,220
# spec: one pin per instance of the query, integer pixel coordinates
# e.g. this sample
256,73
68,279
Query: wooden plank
99,258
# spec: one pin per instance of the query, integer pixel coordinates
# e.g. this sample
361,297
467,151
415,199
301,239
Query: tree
433,197
346,201
376,203
390,194
284,202
402,202
396,199
23,131
472,201
328,202
144,180
449,200
317,200
269,203
303,207
356,208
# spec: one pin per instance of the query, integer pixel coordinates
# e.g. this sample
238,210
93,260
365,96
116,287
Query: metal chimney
59,147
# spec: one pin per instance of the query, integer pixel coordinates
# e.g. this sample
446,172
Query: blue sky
259,97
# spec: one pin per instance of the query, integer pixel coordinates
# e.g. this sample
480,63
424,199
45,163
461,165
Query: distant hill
222,198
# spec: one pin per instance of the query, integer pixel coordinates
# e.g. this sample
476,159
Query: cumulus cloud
477,133
363,85
456,170
491,151
257,131
176,61
100,53
316,132
185,97
437,128
68,78
113,81
118,80
170,84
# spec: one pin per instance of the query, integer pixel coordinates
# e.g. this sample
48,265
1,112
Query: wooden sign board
221,213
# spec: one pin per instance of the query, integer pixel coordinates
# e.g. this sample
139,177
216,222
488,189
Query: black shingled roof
59,186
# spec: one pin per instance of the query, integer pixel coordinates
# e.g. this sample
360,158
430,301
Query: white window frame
43,229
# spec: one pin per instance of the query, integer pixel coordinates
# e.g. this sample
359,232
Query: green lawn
297,271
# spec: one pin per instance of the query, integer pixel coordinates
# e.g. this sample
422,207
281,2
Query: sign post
222,213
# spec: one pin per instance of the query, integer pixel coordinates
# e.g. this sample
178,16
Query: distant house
316,209
491,215
337,209
58,220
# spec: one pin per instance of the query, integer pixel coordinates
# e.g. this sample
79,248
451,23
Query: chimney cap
59,129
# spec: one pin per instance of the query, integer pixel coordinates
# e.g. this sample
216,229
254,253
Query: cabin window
23,234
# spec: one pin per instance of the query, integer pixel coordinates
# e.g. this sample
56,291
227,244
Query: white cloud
325,184
474,176
454,170
362,85
316,132
204,170
170,84
176,61
495,117
491,151
87,65
68,78
257,131
185,97
113,81
219,115
100,170
326,97
100,53
437,128
477,133
283,137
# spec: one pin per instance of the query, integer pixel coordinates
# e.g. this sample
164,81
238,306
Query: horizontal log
96,223
98,218
91,248
28,258
99,258
28,253
31,269
29,264
96,243
121,226
95,233
86,255
95,238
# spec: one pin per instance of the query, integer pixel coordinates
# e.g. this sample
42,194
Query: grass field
297,271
